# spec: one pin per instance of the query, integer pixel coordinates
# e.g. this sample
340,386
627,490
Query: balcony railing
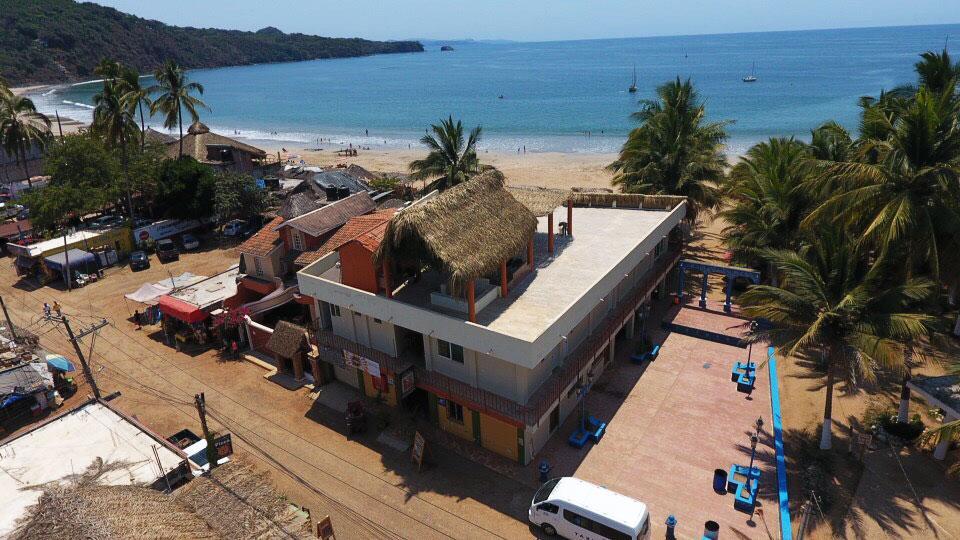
331,347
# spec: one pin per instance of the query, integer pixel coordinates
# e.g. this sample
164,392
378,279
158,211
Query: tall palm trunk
26,168
126,175
143,129
180,121
826,435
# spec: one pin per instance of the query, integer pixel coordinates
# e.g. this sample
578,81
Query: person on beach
46,310
235,350
56,307
137,319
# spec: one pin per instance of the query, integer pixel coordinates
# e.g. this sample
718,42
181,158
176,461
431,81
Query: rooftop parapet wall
627,200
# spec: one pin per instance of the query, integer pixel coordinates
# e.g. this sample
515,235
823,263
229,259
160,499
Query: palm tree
21,127
452,159
904,199
174,97
831,142
767,199
938,72
675,150
844,311
136,96
113,120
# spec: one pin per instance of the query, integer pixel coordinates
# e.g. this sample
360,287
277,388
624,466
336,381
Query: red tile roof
351,230
11,230
335,214
372,238
264,241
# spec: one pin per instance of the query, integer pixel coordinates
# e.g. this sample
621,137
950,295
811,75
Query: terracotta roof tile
264,241
352,229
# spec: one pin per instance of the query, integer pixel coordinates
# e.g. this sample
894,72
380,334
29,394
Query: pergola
942,392
731,273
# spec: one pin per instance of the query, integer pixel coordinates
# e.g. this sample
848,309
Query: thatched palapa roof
539,200
288,340
199,137
465,232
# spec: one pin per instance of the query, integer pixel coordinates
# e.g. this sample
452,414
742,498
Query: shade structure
78,259
178,309
58,362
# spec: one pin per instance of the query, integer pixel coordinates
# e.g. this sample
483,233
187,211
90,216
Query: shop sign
224,446
407,383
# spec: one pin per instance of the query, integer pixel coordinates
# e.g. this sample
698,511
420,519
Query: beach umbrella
58,362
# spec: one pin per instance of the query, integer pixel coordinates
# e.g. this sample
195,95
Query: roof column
471,303
570,217
503,279
530,253
386,278
550,232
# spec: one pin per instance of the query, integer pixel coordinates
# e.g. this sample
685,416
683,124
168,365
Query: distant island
446,48
54,41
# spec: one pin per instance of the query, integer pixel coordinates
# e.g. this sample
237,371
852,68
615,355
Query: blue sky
538,20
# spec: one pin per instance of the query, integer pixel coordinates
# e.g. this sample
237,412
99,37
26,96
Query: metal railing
331,347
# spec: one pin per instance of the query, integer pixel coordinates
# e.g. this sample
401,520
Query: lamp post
754,439
753,330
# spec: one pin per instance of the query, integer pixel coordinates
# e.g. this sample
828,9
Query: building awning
76,257
181,310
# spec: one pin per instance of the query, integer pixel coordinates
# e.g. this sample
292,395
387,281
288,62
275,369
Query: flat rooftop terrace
603,238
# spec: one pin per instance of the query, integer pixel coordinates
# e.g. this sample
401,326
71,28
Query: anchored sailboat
633,87
752,77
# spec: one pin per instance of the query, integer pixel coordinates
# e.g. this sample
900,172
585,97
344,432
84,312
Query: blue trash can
720,481
544,469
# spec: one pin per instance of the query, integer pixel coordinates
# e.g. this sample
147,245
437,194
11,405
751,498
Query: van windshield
545,490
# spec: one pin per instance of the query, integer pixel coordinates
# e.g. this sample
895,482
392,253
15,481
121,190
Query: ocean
562,96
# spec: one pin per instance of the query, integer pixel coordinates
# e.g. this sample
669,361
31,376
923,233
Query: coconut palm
831,142
841,310
21,127
938,72
767,199
113,120
175,96
904,200
675,150
452,159
136,97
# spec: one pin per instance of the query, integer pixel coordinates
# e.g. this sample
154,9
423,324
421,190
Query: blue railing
786,530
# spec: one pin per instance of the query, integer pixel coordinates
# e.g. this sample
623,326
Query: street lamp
753,329
754,439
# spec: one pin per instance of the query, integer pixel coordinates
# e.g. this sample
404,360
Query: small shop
187,314
184,322
77,265
105,246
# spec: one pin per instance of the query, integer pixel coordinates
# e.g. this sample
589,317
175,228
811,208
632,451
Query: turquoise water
556,92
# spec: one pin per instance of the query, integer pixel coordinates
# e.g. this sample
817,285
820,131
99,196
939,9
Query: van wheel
548,529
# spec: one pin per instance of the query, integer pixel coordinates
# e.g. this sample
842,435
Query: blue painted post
703,291
726,304
680,284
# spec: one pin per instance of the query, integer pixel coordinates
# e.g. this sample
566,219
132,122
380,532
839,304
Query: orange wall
356,267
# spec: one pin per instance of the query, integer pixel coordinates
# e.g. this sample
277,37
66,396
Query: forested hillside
48,41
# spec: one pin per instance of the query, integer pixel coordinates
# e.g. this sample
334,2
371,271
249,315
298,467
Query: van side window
608,532
549,507
577,519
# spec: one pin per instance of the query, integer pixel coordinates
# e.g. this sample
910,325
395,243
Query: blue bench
745,491
745,375
649,355
596,428
579,438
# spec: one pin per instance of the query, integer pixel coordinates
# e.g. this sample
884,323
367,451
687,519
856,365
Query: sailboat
752,77
633,87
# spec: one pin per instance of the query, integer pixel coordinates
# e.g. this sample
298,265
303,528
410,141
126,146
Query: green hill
50,41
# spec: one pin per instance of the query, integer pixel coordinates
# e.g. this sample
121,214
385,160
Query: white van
576,509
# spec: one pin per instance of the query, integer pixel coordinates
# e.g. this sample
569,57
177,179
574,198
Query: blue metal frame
786,530
731,272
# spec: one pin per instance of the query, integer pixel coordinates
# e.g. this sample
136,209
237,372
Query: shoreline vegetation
61,41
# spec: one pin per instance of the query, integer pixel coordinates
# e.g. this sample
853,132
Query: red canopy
185,311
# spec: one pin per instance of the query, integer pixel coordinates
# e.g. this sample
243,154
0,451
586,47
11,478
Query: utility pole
13,329
201,402
66,261
76,347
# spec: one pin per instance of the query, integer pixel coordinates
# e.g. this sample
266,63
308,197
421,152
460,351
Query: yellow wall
105,238
498,436
464,430
389,397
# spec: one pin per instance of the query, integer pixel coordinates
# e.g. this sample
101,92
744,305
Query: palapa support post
703,291
569,217
471,304
386,278
904,410
550,232
503,279
530,253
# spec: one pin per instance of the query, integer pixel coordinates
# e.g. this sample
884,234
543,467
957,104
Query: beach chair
596,428
649,355
578,438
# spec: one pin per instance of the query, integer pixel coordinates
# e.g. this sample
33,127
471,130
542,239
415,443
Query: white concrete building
494,348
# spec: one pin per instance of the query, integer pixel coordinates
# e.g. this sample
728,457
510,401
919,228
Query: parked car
167,250
189,242
105,222
139,260
574,508
234,227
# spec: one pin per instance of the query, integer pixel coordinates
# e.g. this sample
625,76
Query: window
378,321
257,266
450,350
591,525
577,519
549,507
454,412
335,310
297,240
555,418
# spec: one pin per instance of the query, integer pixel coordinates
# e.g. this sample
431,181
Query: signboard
407,383
325,529
362,363
419,449
224,446
164,229
372,368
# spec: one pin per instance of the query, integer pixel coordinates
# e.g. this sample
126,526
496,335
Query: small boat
633,87
752,77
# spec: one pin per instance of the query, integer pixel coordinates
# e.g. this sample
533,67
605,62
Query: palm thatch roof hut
539,200
465,232
288,340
